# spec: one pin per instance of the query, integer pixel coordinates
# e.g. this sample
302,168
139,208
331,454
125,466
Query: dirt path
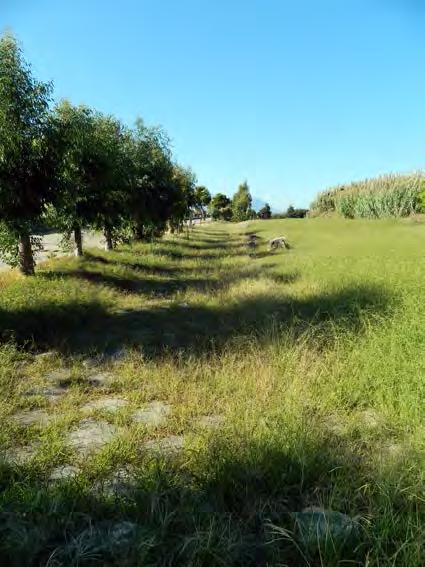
51,246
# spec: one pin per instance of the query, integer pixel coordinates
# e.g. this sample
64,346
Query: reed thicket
393,195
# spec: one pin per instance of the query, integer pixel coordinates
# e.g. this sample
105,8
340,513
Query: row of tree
76,168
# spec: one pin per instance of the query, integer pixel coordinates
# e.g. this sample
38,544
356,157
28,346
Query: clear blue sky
293,96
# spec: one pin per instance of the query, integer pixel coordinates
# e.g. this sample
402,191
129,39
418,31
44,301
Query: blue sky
293,96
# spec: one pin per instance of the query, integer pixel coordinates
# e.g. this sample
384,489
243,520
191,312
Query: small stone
91,434
154,414
59,376
65,472
184,305
166,445
31,417
316,526
211,421
101,379
106,404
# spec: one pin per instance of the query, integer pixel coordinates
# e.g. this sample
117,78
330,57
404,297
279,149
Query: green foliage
221,207
386,196
202,199
241,203
76,168
28,147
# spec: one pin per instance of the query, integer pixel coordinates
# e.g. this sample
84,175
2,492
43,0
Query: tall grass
385,196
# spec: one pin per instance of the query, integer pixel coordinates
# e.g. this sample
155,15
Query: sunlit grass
312,357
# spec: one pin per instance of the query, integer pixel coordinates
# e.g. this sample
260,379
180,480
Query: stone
210,421
316,526
32,417
51,394
154,414
165,446
101,379
122,533
22,455
64,472
106,404
91,435
90,363
59,376
48,355
120,484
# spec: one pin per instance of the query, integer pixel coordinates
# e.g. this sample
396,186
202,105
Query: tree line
74,168
238,208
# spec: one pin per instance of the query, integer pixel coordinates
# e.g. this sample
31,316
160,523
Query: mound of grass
229,407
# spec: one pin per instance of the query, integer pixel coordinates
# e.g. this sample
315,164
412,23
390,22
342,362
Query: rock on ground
50,394
91,435
154,414
32,417
210,421
65,472
317,526
111,404
101,379
165,446
59,376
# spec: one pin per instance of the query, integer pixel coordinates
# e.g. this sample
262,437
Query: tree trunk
139,232
78,239
26,258
109,243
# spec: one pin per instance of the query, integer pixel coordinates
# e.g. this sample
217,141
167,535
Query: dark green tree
27,154
265,212
221,207
202,199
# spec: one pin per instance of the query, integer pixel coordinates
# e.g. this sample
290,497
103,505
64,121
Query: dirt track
51,246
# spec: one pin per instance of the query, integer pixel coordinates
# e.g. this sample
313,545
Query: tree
221,207
184,181
241,203
153,189
202,199
265,212
27,154
73,207
94,173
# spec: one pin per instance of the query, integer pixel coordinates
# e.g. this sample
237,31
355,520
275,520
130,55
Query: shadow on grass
80,328
151,287
226,506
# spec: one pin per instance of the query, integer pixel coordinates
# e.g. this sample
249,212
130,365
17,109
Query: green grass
313,357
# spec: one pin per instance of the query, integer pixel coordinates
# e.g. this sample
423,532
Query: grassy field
186,403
